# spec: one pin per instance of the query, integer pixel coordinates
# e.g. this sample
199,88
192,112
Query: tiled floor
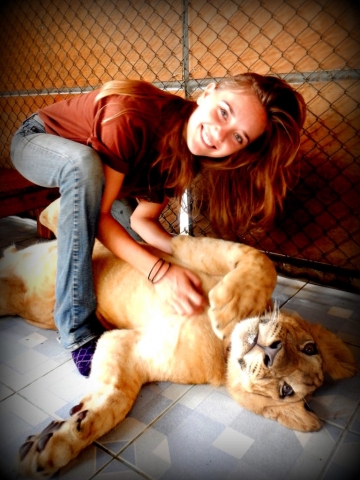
181,432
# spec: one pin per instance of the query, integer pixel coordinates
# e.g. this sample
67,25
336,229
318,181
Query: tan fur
149,343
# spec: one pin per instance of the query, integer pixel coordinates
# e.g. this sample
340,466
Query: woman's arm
145,222
176,286
112,234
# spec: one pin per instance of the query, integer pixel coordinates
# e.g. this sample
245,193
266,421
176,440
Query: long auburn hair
241,190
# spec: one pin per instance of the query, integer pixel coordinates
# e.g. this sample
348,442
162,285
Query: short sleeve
118,134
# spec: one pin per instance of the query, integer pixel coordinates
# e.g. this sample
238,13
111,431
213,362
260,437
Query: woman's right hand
181,289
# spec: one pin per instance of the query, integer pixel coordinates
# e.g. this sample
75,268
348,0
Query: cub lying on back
269,362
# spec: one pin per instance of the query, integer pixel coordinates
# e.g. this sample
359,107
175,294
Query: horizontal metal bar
45,91
192,85
176,86
318,266
322,76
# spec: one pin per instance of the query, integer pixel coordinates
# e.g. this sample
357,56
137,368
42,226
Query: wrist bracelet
157,261
163,275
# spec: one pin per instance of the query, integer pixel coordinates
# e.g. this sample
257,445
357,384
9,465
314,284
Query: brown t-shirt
125,143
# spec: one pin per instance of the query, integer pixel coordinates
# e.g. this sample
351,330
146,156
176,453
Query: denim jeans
52,161
121,210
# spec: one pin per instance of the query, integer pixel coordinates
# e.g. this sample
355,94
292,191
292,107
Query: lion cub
269,362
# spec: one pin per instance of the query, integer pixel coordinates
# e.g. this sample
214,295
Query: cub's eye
310,349
286,391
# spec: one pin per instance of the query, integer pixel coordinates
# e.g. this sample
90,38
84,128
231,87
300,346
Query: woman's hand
180,288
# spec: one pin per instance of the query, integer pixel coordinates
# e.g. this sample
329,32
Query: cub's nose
270,352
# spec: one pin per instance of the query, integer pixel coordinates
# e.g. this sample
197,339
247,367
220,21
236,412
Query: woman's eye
310,349
223,113
286,390
238,138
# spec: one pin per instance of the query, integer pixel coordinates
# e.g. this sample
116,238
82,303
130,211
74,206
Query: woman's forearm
114,237
152,232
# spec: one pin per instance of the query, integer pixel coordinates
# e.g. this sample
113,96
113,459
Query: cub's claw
43,442
75,409
80,418
52,427
42,439
24,450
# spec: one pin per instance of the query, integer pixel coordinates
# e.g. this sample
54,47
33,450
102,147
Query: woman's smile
206,139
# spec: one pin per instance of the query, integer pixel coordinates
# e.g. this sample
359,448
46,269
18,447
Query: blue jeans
52,161
121,210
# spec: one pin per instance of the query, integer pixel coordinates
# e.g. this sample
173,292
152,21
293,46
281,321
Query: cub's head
277,360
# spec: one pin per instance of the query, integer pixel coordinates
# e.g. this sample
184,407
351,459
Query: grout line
331,455
114,457
128,464
128,444
292,296
158,417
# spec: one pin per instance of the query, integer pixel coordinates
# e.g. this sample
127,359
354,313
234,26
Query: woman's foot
83,355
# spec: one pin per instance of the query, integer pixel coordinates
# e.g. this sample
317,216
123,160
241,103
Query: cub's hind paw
34,458
44,454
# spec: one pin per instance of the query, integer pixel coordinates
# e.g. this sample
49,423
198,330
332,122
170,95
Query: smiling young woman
224,122
251,182
131,139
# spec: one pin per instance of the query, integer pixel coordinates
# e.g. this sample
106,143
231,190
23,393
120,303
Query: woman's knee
87,168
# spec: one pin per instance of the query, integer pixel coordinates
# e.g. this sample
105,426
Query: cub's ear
293,415
338,361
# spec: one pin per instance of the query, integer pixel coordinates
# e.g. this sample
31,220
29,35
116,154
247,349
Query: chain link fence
53,49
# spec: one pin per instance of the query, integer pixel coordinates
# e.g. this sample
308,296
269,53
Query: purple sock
83,355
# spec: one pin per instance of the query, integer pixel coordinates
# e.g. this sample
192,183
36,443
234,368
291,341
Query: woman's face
224,122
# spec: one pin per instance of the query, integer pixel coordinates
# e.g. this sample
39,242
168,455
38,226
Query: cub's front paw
224,309
233,300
